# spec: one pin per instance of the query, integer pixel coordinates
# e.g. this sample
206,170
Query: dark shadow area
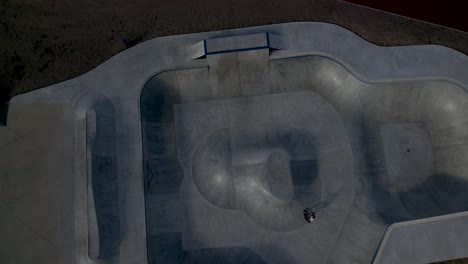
4,105
225,255
306,181
104,181
167,248
5,91
450,14
163,174
131,42
439,194
157,101
278,253
388,205
303,172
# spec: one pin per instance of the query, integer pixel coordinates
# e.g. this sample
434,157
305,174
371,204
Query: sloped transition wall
437,109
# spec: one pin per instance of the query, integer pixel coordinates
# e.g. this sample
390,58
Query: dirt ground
48,41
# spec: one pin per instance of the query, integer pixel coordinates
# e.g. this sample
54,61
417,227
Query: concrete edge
392,227
291,54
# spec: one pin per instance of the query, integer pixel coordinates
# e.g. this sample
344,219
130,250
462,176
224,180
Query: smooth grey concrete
231,166
372,89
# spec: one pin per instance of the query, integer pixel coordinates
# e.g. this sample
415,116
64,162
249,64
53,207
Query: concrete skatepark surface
227,147
212,160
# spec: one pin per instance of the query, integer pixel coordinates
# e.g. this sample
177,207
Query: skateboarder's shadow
322,204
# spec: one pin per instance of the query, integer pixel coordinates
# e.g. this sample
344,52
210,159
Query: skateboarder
309,215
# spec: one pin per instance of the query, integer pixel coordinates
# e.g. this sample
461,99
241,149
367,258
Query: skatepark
205,148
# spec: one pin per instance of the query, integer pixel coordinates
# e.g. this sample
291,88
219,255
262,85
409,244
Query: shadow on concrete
157,101
278,254
104,181
163,174
5,91
438,194
167,248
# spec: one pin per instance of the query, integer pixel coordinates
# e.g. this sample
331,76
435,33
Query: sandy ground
47,41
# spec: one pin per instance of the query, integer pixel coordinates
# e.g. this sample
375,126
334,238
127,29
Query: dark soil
48,41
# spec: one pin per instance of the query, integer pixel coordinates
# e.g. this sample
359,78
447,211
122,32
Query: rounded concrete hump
258,169
212,170
101,208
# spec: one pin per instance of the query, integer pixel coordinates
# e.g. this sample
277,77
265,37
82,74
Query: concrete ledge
236,44
425,240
